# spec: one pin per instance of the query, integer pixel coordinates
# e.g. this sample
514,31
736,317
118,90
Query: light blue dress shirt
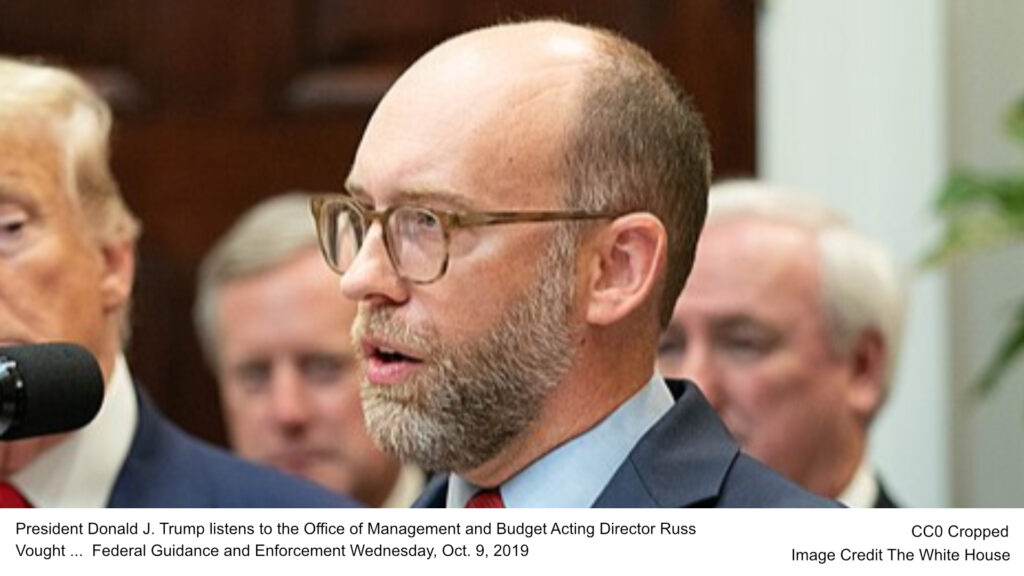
574,474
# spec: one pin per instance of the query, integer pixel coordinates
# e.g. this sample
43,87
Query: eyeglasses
416,238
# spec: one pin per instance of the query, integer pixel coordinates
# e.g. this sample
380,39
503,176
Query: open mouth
386,364
388,355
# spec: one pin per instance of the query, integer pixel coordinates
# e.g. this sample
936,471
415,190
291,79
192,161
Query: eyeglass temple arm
468,219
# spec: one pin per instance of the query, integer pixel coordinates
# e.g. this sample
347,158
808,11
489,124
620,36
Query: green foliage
1010,348
982,211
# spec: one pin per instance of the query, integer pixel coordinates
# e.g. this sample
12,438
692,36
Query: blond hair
39,98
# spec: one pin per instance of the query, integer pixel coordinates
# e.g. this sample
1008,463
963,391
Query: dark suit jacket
166,468
883,500
687,458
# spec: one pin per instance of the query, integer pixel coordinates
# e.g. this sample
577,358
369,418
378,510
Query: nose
291,405
372,276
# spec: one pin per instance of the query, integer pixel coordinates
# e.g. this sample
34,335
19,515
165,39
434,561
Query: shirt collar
862,491
574,474
80,472
408,486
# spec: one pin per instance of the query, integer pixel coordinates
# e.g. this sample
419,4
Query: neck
15,456
605,373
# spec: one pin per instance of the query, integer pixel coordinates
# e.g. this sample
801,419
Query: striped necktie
486,499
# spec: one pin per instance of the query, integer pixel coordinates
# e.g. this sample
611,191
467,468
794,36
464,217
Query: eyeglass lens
416,239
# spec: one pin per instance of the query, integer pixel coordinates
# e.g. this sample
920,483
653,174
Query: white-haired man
790,324
67,256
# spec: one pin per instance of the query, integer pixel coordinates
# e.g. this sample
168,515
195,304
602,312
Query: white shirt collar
862,491
80,472
407,488
574,474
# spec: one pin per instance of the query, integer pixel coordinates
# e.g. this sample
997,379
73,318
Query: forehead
30,134
299,295
749,265
297,279
473,121
30,158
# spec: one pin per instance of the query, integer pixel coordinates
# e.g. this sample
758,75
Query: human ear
867,362
624,266
118,273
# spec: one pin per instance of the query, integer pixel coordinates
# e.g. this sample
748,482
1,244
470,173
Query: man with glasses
520,216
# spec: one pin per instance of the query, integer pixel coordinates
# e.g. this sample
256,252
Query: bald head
507,53
493,127
506,95
550,102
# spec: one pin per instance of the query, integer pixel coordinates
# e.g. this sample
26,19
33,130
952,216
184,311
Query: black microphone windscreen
62,388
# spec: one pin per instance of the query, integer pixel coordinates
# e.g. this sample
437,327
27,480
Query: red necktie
11,498
486,499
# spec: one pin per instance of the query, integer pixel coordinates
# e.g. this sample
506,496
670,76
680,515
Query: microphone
47,389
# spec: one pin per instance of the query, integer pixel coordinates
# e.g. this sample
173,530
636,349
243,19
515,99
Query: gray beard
469,400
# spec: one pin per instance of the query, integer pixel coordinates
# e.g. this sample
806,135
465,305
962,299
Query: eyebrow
740,320
426,198
15,195
433,198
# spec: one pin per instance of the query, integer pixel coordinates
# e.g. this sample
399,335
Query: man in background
519,219
278,338
790,325
67,257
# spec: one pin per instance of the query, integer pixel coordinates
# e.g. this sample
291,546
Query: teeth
386,351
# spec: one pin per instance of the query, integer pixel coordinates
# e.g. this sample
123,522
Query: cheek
480,285
244,413
462,313
72,291
338,407
764,389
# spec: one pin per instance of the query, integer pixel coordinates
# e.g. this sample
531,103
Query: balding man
520,216
790,324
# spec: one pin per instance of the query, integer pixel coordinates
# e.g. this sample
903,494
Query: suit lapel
158,471
435,495
883,500
682,461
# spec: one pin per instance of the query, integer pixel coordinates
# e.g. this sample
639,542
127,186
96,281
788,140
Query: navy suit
166,468
687,458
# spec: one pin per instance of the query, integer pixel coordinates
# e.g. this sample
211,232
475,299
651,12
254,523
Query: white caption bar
445,542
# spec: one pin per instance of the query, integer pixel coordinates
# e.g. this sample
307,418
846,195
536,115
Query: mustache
381,324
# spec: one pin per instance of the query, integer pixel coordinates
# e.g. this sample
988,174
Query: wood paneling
221,103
